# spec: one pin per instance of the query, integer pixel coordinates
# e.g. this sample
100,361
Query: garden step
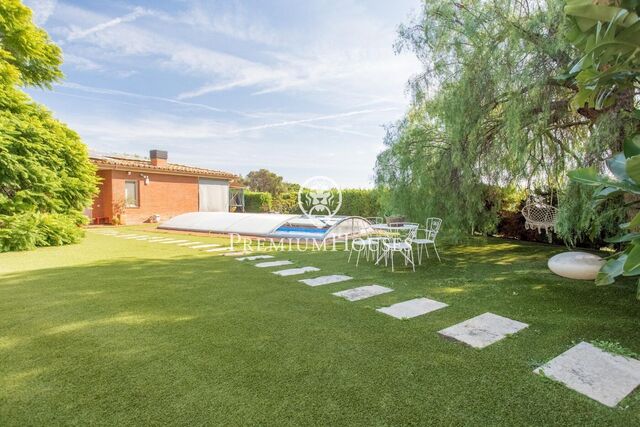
483,330
412,308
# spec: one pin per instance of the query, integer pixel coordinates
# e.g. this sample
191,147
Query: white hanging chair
539,215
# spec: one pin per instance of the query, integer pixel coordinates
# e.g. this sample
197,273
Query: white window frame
136,194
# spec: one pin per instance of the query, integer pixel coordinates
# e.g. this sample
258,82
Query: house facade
135,190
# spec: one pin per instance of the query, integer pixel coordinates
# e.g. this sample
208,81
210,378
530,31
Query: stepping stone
189,243
137,236
273,264
295,271
126,236
483,330
142,238
604,377
209,245
166,242
363,292
326,280
218,249
159,239
412,308
254,258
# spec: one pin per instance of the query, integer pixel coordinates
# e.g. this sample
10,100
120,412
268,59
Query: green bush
286,203
46,178
255,201
359,202
26,231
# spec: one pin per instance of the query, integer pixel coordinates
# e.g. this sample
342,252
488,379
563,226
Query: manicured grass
115,332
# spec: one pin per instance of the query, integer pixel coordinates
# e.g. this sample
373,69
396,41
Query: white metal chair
370,246
430,233
392,245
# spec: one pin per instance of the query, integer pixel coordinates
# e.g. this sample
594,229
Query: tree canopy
46,178
492,110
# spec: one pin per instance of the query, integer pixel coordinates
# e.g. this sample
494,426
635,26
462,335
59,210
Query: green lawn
115,332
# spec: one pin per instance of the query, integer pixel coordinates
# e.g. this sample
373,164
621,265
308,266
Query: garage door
214,195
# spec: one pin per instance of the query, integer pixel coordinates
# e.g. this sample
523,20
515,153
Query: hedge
255,201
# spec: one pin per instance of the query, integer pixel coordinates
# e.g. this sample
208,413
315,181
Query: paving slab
189,243
254,257
272,264
363,292
483,330
166,242
208,245
295,271
126,236
326,280
602,376
159,240
412,308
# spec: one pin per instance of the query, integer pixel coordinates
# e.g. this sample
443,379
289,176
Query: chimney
158,157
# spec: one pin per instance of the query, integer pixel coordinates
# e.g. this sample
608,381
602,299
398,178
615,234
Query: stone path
483,330
326,280
254,258
412,308
604,377
295,271
272,264
363,292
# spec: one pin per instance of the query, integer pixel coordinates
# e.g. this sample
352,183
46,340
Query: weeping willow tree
492,111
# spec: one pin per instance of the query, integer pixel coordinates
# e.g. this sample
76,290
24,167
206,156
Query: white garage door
214,195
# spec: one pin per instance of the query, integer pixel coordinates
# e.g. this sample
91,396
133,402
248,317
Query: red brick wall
102,206
165,195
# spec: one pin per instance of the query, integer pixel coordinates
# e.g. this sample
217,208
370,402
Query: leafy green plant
625,179
608,33
607,75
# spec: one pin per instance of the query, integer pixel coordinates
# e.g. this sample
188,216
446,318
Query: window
131,194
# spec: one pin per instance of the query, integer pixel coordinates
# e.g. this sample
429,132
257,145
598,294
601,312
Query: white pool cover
269,225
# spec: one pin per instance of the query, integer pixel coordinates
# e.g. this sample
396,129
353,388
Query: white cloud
42,10
77,34
98,90
81,63
313,119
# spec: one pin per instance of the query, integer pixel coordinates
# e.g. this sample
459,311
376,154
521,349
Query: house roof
125,162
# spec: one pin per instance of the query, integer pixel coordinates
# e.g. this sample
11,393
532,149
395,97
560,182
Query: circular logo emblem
319,196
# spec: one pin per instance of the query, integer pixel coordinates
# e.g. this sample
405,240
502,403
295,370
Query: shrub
28,230
360,202
255,201
286,203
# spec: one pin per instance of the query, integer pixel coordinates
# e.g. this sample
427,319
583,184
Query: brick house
135,190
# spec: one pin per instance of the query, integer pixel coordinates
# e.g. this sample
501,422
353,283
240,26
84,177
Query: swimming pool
269,225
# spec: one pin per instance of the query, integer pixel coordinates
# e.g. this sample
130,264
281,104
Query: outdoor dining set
384,240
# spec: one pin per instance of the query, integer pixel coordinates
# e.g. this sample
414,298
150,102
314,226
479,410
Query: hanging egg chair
539,215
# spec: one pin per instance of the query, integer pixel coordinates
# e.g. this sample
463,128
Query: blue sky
298,87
